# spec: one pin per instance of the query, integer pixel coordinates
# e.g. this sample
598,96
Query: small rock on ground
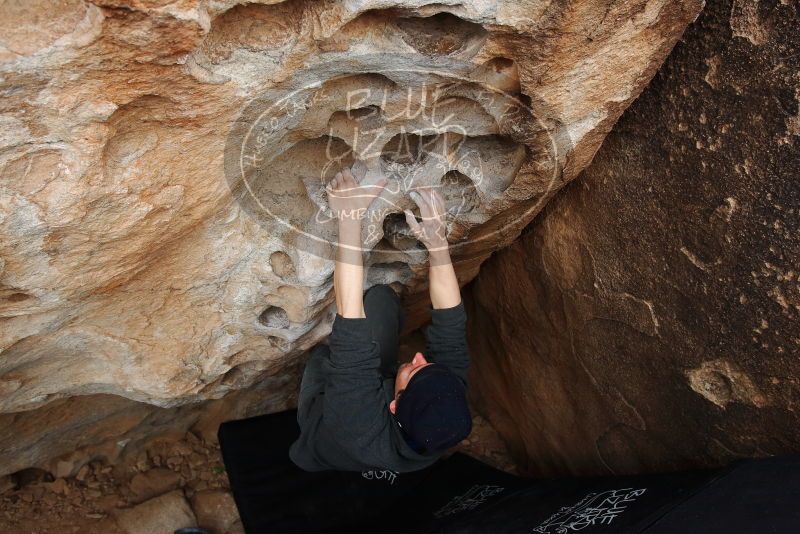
164,514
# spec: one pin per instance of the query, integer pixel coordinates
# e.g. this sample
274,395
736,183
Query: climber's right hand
432,230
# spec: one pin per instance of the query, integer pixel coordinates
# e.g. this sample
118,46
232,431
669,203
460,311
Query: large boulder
162,232
648,319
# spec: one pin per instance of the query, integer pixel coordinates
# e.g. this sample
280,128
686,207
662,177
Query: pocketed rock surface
148,255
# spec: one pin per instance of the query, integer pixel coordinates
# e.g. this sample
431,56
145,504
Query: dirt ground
90,501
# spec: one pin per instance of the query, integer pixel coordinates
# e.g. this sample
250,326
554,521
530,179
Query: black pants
385,319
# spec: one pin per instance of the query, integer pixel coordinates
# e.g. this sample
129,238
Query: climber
358,409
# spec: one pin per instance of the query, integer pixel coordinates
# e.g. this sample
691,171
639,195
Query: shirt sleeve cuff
453,315
351,329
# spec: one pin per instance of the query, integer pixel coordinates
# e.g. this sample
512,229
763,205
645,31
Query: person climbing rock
358,408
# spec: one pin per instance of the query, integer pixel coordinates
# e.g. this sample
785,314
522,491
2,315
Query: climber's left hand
348,199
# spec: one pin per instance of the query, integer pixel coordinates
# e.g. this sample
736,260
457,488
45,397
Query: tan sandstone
137,262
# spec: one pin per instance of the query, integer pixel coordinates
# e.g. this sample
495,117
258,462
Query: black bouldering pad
462,495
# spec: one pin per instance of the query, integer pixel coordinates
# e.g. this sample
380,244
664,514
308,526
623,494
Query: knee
316,356
319,351
383,290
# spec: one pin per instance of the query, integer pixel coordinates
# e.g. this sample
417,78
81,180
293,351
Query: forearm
444,288
348,274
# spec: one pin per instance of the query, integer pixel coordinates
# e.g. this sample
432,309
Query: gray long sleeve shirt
348,425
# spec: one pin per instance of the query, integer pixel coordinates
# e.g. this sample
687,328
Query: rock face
648,319
65,434
162,163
